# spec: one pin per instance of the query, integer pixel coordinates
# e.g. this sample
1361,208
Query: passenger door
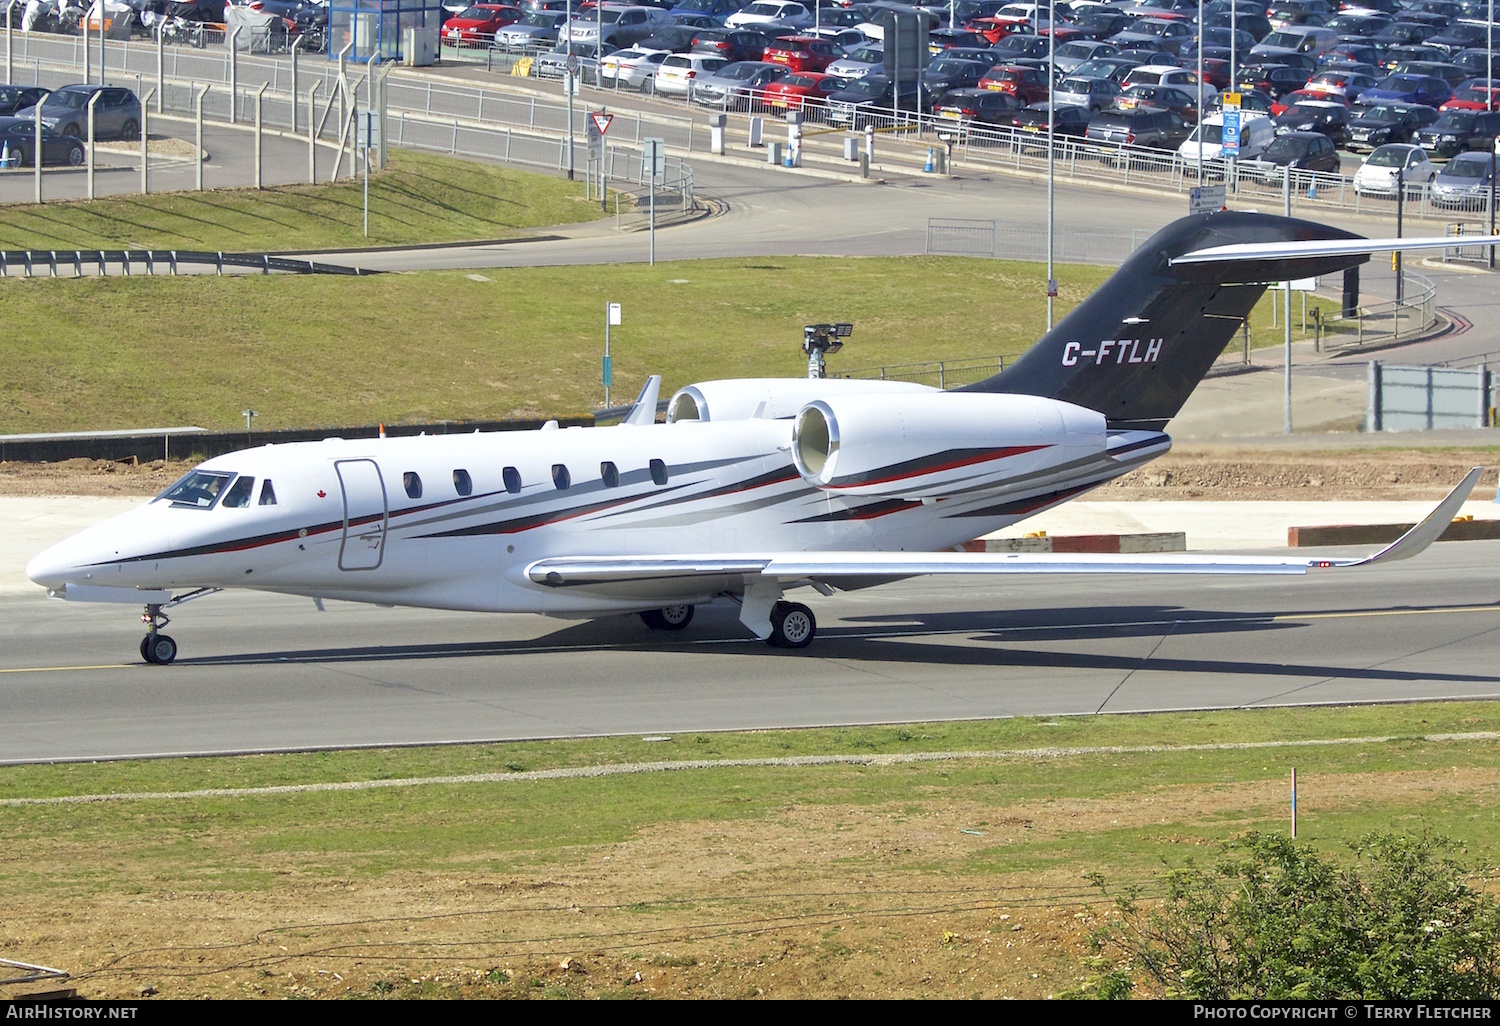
366,515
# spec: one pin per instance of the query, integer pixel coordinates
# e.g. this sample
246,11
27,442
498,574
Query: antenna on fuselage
818,340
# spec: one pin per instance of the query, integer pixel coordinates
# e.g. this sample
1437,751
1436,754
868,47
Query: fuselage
452,521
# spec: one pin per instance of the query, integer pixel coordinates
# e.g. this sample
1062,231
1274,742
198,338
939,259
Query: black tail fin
1137,347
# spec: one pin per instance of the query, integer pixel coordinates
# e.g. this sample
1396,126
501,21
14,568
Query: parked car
807,91
1387,123
1321,116
1465,182
1157,33
779,15
1459,131
858,63
873,100
1426,90
620,26
14,98
802,53
18,136
1150,97
633,66
676,75
1092,94
1256,133
947,73
1069,122
479,23
1475,95
1159,129
732,44
976,107
1378,175
538,29
554,63
1300,151
715,10
117,114
736,86
1029,85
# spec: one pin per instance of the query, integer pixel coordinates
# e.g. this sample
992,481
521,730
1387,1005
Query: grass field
319,351
418,199
846,870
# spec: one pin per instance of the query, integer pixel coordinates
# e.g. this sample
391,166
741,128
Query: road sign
367,132
1231,100
601,121
594,139
1206,199
1231,131
614,314
654,153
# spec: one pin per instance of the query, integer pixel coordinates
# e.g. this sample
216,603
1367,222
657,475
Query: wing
763,574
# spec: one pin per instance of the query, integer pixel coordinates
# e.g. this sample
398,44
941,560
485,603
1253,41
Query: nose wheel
157,648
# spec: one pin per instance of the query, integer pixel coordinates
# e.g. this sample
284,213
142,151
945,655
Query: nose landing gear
156,647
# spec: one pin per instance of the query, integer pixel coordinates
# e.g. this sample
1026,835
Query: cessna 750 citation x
751,488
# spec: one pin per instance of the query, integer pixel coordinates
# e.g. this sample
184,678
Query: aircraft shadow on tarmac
913,638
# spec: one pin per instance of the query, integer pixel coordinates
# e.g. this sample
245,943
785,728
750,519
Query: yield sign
601,121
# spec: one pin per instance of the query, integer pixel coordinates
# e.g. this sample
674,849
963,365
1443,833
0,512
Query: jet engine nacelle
771,398
939,444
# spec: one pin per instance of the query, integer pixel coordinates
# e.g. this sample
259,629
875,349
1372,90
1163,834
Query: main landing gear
792,625
668,618
156,647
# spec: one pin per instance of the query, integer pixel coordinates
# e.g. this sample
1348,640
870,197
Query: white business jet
752,488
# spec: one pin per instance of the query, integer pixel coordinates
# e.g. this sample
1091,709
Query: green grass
418,199
242,842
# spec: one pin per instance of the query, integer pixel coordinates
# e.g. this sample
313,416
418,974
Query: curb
1164,541
1383,534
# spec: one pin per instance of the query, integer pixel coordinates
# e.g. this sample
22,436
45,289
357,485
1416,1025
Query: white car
621,26
858,63
1167,75
1256,133
634,66
676,74
1377,175
787,14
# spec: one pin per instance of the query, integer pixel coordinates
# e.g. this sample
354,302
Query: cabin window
197,488
512,478
463,484
413,484
659,472
610,473
561,478
239,493
267,494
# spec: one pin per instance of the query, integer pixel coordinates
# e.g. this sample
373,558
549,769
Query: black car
1458,131
18,136
731,44
1302,151
1330,119
1387,123
1275,79
873,100
975,107
14,98
1158,129
946,73
1071,121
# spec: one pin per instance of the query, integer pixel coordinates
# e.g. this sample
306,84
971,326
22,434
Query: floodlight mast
818,340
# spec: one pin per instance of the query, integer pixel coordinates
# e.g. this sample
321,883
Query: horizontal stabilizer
1250,251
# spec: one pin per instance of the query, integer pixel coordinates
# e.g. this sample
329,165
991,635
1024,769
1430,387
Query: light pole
568,81
1051,152
1200,93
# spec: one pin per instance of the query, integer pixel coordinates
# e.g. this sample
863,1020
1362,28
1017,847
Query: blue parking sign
1231,131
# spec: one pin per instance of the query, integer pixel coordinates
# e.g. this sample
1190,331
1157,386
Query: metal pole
1294,803
653,213
145,134
92,100
10,71
1200,93
37,161
364,140
1234,27
570,84
259,95
198,134
606,348
1400,210
234,74
161,46
296,46
88,71
1286,202
1051,152
101,42
312,128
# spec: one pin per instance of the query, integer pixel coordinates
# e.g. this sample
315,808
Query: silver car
1464,183
859,63
538,30
117,115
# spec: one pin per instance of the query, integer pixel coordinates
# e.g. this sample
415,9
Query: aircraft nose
52,568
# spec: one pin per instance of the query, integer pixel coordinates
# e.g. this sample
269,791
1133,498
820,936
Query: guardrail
938,373
28,263
1383,323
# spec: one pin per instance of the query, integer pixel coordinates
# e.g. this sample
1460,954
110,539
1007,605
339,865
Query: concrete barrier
1167,541
1383,534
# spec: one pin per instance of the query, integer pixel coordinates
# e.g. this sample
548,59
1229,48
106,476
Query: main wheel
75,156
159,649
671,618
792,625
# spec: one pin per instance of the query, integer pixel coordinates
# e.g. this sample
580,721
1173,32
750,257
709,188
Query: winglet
1431,527
644,410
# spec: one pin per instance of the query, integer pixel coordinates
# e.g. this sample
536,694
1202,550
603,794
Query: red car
478,24
1299,95
1471,97
996,29
805,90
802,53
1029,85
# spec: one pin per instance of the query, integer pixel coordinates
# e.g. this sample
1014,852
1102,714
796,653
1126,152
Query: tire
670,618
76,156
131,130
146,649
792,625
161,649
70,129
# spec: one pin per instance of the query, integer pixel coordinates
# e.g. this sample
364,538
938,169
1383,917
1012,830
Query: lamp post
1200,92
1051,152
568,81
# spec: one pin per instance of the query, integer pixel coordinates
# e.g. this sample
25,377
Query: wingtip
1432,526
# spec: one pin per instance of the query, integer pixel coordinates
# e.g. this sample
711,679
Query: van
1256,133
1304,39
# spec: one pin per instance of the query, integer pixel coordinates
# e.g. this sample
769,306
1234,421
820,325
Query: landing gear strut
156,647
669,618
792,625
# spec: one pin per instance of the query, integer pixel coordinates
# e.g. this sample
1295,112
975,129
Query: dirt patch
812,901
1186,473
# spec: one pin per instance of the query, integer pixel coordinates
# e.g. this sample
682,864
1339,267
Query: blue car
1420,89
715,10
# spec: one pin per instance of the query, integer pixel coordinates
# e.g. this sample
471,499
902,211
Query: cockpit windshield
197,488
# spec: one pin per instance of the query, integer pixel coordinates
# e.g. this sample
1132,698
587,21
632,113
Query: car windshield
867,55
949,67
72,99
1286,40
1149,28
1286,148
765,10
1213,135
740,72
1455,121
1307,112
540,19
199,489
867,88
1381,115
1458,168
1388,157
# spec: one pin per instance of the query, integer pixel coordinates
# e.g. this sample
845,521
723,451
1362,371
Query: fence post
1484,395
234,74
312,129
198,134
1372,397
145,135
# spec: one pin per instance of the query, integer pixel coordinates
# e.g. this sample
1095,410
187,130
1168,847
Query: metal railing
54,263
1383,323
938,373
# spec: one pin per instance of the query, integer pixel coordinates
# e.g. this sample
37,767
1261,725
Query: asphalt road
263,672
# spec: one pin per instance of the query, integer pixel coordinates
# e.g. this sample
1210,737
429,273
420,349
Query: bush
1274,919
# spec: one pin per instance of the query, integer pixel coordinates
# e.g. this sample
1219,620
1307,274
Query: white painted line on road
623,769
